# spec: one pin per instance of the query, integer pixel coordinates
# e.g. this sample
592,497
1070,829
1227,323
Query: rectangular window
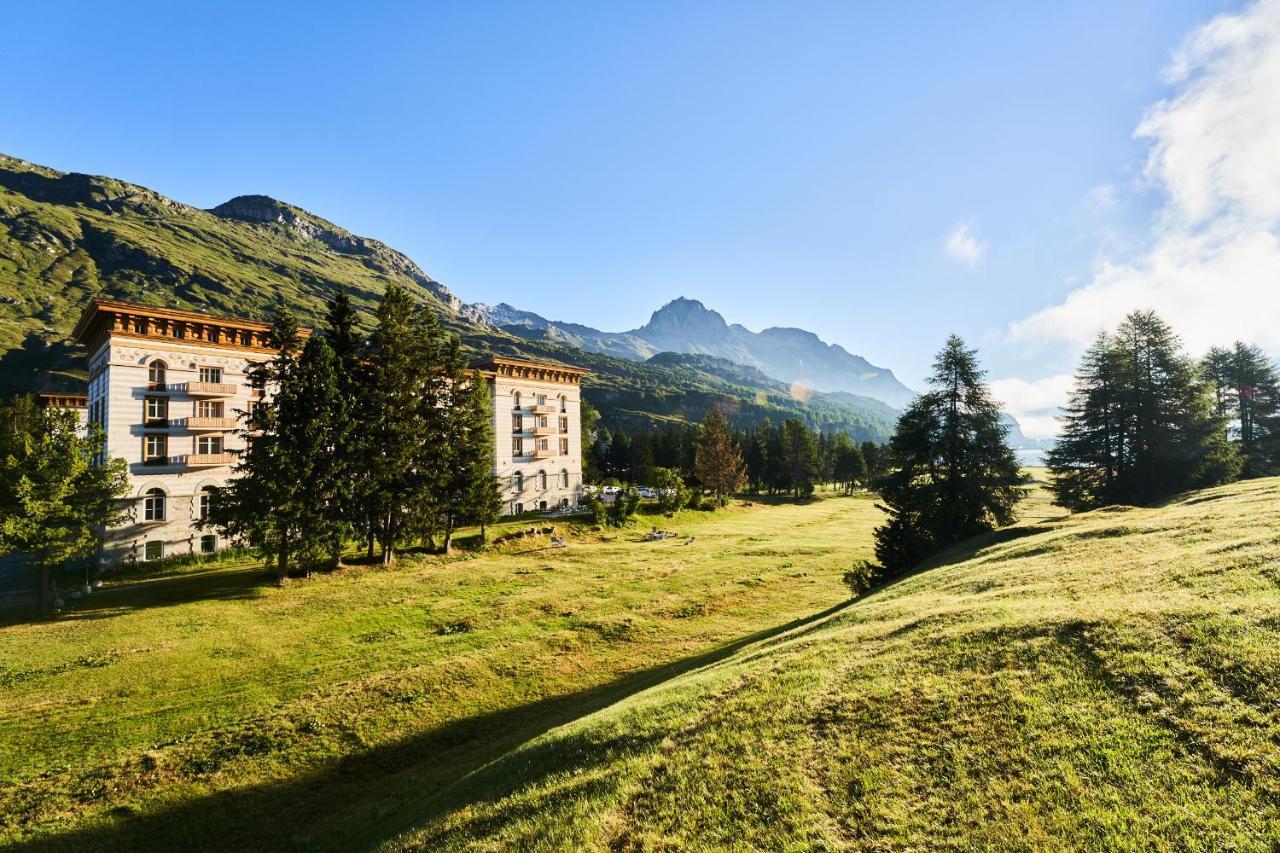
155,449
542,444
209,409
517,447
564,424
542,399
517,422
154,550
564,447
157,409
208,543
211,374
542,421
209,444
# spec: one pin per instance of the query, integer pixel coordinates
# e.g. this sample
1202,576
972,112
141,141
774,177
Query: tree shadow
359,800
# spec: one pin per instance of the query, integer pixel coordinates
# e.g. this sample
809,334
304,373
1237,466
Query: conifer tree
58,491
467,489
799,458
1246,392
351,451
1140,425
313,425
952,474
261,505
718,465
849,467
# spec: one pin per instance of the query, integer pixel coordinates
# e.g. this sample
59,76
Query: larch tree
1246,394
718,464
952,474
798,457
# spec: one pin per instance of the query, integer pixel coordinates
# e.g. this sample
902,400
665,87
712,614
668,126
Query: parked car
646,492
611,490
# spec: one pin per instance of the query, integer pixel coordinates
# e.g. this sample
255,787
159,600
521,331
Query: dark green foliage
624,506
673,493
799,459
467,490
952,475
57,492
1246,393
849,469
1140,425
599,509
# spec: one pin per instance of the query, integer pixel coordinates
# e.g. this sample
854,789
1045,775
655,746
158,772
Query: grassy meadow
1106,680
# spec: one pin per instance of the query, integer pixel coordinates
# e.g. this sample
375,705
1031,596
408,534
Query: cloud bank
1212,268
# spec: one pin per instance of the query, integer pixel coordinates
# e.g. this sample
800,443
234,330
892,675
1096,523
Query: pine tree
313,424
799,457
874,456
589,423
467,488
57,489
849,467
261,505
952,475
350,448
718,465
1246,394
1140,425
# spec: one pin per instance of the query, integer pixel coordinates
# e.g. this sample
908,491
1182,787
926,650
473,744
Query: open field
323,714
1108,680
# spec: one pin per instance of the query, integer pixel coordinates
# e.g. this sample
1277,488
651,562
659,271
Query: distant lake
1031,456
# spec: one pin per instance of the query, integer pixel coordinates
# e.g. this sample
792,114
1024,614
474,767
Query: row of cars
612,491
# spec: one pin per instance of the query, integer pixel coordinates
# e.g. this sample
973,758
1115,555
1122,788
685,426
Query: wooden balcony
209,389
208,460
203,424
542,453
543,410
543,430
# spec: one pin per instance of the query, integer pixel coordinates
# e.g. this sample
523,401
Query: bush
599,510
860,578
625,504
673,494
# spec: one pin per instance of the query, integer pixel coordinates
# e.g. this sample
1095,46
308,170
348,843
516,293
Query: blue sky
882,175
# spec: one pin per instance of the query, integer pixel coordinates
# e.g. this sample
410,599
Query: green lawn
1109,680
325,713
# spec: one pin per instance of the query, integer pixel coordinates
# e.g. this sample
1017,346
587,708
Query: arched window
542,479
564,479
155,373
564,403
517,481
206,494
153,505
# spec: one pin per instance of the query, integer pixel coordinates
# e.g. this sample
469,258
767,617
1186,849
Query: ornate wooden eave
493,366
105,319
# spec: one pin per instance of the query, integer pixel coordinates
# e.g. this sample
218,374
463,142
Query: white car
646,492
611,490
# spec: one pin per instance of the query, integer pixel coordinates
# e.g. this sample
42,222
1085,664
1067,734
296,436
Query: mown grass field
1108,680
211,704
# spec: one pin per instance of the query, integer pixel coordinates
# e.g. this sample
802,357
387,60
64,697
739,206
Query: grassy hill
67,237
1103,680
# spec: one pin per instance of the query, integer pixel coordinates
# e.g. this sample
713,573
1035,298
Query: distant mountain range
793,356
66,237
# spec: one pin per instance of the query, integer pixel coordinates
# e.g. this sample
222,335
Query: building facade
538,433
172,389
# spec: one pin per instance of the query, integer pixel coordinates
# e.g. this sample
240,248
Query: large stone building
170,389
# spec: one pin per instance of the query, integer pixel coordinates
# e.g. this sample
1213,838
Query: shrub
860,578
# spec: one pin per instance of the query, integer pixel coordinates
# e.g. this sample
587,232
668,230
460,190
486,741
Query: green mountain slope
67,237
1108,680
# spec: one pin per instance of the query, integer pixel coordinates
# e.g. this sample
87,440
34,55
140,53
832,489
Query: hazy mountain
67,237
687,326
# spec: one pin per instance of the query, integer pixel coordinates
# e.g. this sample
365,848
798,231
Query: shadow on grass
367,797
217,583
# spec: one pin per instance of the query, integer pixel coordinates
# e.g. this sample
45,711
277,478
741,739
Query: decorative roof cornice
538,371
107,318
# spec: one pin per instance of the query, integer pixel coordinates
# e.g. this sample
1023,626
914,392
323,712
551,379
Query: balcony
209,460
157,461
209,389
542,453
208,424
543,410
155,423
543,430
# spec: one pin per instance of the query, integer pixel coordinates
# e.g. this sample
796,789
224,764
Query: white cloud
963,245
1103,197
1212,265
1034,403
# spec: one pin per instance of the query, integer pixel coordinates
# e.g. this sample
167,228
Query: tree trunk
44,590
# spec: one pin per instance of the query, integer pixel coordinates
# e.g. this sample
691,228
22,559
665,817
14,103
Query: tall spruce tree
261,505
718,465
849,467
1140,425
799,458
351,450
466,488
952,474
1246,393
58,490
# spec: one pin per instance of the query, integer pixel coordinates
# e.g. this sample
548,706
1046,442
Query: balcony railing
542,453
205,460
543,410
209,389
543,430
199,423
157,461
155,423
